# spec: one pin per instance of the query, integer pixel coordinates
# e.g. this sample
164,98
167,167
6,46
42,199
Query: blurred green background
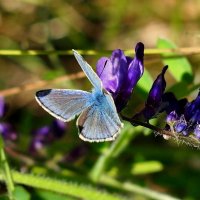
139,158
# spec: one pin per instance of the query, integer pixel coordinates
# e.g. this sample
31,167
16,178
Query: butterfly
98,120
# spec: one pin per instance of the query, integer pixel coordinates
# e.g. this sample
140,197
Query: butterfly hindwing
99,123
89,72
62,103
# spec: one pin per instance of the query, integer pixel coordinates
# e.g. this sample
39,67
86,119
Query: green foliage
21,193
179,66
46,195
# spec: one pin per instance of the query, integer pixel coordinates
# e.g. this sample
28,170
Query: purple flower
172,117
180,125
155,95
192,110
41,137
183,116
7,131
119,74
170,104
153,104
3,107
197,131
46,135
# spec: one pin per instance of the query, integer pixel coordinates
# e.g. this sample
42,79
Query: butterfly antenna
103,68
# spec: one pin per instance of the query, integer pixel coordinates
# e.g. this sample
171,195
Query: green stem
187,51
190,140
6,171
68,188
147,192
136,189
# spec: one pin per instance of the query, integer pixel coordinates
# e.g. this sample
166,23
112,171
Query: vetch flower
155,95
171,104
7,131
42,136
184,117
119,74
192,110
46,135
3,107
153,104
180,125
172,117
197,131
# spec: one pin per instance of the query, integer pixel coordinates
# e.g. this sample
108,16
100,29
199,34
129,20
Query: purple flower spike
3,107
42,137
119,74
7,131
47,135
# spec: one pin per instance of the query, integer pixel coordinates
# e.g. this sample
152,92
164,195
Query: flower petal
134,73
105,72
155,95
154,100
136,68
191,109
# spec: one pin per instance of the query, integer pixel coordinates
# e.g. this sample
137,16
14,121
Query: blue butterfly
98,120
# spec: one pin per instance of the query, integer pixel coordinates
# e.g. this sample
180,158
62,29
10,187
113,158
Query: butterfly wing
99,123
91,75
62,103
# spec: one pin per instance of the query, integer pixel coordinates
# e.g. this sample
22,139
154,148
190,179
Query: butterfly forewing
62,103
89,72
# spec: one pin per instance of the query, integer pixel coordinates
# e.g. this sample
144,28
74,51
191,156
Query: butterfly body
98,120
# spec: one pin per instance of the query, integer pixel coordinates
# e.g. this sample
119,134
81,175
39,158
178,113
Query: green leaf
47,195
146,167
179,66
21,194
80,191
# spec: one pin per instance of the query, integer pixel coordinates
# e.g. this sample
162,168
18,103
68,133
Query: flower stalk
5,169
